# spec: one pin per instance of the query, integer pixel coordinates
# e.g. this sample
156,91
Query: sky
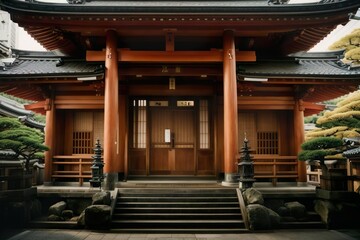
26,42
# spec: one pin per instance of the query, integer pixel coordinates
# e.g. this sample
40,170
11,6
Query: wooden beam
163,90
313,106
79,106
181,70
169,41
37,105
215,56
266,107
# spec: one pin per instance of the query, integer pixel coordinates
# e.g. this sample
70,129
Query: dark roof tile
296,68
32,67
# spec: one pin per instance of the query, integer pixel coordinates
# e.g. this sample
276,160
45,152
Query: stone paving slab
59,234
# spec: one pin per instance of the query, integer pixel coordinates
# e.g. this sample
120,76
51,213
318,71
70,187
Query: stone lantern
246,167
97,172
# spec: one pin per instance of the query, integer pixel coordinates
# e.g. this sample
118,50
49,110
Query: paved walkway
59,234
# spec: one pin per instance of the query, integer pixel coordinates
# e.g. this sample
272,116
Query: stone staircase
155,210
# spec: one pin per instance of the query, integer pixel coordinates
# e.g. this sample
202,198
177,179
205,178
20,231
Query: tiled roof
352,153
166,6
312,68
35,67
10,109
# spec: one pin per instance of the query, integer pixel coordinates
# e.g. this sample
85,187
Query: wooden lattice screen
82,143
267,143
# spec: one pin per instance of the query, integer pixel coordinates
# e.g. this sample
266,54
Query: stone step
177,191
178,216
174,209
181,230
167,223
178,199
176,204
179,210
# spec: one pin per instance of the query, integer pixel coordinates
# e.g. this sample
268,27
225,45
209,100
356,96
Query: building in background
8,32
170,88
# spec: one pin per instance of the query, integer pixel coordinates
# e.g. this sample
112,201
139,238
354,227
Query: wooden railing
70,167
313,175
274,167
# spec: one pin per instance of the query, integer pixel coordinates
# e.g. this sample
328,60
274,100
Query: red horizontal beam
125,55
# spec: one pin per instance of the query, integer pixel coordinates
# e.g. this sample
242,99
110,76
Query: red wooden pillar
299,136
111,122
49,139
230,108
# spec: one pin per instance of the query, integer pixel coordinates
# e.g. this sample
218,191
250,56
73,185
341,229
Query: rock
57,208
253,196
274,204
35,209
283,211
296,209
19,214
54,217
275,218
78,205
67,214
339,215
74,219
101,198
288,219
98,216
81,219
259,218
327,211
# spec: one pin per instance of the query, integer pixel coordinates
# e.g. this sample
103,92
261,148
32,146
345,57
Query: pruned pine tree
24,141
333,126
351,44
342,122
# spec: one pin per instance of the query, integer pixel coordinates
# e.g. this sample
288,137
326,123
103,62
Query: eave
66,28
183,7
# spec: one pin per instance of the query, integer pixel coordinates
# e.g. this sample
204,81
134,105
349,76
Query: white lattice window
204,125
139,123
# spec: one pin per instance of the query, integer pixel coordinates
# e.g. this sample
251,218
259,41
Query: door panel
159,163
184,161
177,156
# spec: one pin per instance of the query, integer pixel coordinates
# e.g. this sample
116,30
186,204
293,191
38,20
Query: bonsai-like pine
24,141
342,122
351,44
317,149
326,142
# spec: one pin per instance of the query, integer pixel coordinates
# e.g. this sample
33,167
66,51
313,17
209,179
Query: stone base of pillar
302,184
110,180
48,184
231,180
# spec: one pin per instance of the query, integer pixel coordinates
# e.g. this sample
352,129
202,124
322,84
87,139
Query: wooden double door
172,141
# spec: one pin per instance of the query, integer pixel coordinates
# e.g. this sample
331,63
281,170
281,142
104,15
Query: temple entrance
172,146
170,137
